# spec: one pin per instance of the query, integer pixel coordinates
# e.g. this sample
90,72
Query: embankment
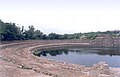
17,60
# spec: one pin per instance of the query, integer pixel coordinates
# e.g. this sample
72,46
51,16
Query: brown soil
17,60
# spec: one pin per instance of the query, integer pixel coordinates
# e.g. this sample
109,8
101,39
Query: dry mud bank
17,60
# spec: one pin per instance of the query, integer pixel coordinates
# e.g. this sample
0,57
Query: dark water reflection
85,56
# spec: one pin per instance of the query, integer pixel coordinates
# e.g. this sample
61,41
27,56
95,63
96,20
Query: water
85,56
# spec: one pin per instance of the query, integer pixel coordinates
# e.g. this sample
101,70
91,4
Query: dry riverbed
17,60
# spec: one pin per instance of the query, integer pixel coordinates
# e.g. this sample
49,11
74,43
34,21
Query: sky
63,16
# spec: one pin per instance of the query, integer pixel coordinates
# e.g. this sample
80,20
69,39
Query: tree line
10,32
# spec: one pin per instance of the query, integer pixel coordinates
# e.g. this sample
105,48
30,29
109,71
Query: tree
54,36
29,34
10,32
1,29
38,34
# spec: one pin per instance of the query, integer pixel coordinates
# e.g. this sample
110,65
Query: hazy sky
63,16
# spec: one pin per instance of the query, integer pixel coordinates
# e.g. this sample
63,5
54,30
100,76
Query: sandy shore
17,60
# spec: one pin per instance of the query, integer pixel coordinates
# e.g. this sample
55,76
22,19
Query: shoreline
18,60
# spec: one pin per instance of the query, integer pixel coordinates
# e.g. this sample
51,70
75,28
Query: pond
84,56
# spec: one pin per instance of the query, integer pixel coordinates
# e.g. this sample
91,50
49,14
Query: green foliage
53,36
29,34
1,30
9,32
91,35
34,34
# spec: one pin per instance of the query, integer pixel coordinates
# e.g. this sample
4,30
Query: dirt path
17,60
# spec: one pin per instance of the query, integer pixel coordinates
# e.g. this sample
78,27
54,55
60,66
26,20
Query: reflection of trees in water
110,51
53,52
99,51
